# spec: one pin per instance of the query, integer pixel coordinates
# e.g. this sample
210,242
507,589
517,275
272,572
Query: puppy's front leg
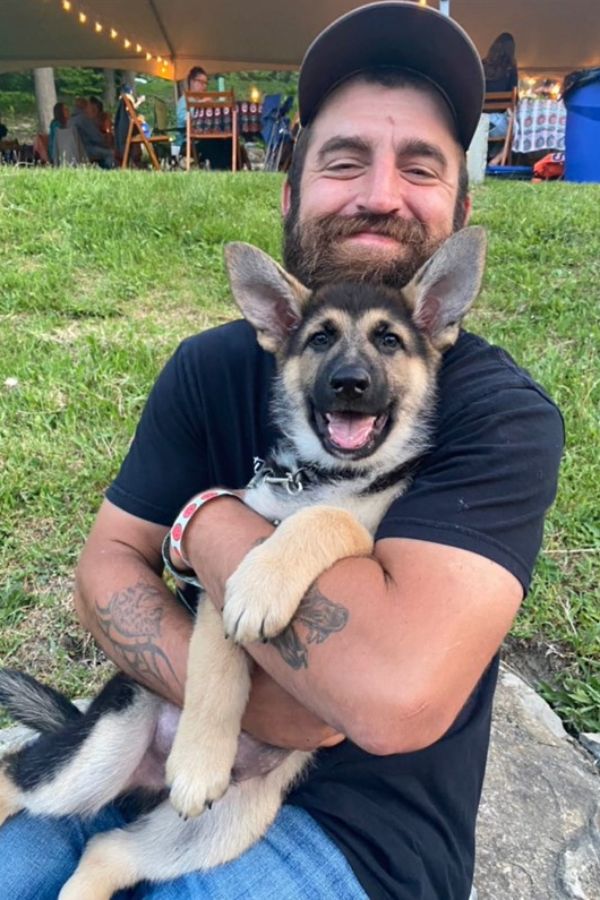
265,590
216,693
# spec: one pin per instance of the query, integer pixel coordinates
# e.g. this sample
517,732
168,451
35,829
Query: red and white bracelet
172,541
184,518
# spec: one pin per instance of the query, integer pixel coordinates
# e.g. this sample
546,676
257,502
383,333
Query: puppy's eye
391,342
320,340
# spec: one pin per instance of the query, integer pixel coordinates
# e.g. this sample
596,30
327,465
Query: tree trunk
45,95
129,78
109,98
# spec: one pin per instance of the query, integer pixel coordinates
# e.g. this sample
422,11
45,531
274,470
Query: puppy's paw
260,598
198,780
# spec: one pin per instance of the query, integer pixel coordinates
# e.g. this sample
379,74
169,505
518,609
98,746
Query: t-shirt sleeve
167,460
488,482
205,420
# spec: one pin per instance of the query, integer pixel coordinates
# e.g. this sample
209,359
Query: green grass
102,274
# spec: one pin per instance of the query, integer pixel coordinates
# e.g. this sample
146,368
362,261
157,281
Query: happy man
399,699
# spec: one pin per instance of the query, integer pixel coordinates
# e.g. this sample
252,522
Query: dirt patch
49,643
536,661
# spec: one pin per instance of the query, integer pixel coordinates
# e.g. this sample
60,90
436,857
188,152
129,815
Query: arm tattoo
132,622
322,618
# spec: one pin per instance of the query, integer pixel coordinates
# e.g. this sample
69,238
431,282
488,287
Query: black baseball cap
398,34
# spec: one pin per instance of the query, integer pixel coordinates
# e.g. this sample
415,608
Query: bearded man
399,699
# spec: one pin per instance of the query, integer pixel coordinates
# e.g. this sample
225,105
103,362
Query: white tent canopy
226,35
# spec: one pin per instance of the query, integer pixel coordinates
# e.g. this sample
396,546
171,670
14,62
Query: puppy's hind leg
161,846
10,802
82,767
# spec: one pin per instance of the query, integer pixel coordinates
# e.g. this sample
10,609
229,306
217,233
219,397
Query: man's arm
122,600
419,623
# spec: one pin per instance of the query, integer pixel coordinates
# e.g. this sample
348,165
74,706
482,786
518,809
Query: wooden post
45,95
109,96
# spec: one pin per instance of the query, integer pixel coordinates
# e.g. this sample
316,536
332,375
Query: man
94,141
399,699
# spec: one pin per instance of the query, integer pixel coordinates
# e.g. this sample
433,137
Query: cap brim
398,35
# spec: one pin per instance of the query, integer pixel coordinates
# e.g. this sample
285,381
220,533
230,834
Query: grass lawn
102,274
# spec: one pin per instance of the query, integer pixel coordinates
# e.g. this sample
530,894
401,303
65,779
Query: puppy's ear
444,289
270,299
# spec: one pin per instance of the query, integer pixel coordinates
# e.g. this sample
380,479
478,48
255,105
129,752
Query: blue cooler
581,95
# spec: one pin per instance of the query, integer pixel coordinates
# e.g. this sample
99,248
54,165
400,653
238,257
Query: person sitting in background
501,75
92,138
60,120
216,153
197,80
101,118
500,64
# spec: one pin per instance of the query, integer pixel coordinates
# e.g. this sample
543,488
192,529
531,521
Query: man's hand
275,717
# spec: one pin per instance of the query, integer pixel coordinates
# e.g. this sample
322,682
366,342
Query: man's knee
40,853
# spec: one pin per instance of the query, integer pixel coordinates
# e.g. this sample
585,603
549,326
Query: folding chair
211,115
136,135
503,101
275,129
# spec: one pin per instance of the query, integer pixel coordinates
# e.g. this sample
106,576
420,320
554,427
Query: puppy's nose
350,380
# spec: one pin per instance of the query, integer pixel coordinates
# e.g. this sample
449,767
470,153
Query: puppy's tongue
349,431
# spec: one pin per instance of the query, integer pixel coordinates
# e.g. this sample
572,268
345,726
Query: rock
538,833
591,742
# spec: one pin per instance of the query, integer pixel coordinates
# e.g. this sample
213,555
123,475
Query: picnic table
209,119
539,125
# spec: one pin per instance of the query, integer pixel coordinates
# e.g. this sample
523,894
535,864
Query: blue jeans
294,861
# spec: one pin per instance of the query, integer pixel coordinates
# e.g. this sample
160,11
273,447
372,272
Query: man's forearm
134,617
136,620
333,681
386,649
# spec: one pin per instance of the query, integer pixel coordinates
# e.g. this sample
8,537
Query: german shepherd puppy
355,394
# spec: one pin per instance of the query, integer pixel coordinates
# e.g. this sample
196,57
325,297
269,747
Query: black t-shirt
405,822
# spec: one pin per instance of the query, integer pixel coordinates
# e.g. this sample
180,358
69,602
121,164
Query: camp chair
211,115
161,126
136,135
503,101
275,129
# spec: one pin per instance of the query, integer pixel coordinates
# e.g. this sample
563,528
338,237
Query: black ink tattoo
321,616
291,648
132,623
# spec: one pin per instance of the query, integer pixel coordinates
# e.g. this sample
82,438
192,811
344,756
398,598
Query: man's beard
316,253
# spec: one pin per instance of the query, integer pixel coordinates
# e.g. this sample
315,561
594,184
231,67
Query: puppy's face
356,368
357,361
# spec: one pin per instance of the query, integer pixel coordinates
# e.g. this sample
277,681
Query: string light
82,17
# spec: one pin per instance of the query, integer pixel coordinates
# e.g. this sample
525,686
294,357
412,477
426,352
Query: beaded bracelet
185,516
174,537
